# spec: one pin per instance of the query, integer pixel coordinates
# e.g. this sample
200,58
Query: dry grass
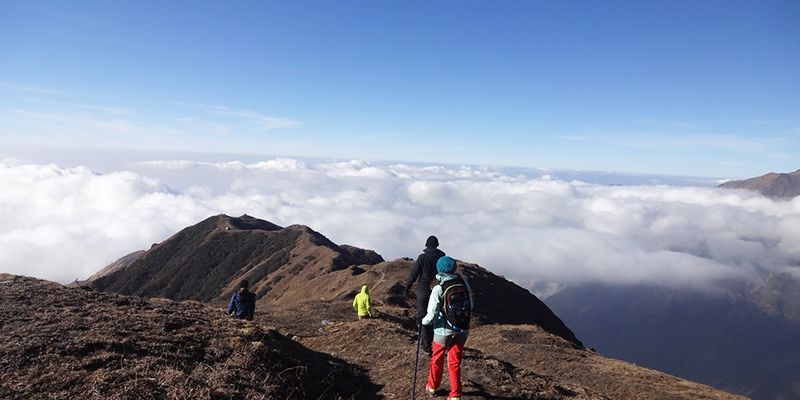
64,343
60,342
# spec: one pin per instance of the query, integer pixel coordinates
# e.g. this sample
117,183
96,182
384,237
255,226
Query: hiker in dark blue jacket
424,270
243,302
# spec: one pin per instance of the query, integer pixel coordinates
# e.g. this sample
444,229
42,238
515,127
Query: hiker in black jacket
424,270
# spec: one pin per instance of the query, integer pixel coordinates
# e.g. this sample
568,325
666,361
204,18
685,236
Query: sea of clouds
66,223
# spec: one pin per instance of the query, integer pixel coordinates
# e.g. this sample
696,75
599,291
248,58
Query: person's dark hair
244,284
432,242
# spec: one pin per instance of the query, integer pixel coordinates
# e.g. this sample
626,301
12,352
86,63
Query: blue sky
497,126
698,88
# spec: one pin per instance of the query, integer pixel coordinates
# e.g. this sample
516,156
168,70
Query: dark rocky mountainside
116,265
305,341
744,339
772,185
776,295
205,261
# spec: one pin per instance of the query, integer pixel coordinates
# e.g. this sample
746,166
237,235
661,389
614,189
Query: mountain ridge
205,262
223,250
779,186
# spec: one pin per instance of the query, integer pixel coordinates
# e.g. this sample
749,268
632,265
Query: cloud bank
64,223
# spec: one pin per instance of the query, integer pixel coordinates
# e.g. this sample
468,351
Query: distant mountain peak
246,222
205,261
777,186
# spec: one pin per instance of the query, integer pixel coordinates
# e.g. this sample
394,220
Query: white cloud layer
65,223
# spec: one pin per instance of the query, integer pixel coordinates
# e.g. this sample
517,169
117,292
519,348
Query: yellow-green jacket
361,302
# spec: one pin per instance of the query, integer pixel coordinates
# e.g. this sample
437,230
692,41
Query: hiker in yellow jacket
361,303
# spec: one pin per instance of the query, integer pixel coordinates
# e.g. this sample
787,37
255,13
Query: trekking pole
416,361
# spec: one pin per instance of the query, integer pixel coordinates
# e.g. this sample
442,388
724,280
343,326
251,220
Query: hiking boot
430,391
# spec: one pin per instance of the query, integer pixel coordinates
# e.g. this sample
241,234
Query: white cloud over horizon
63,223
70,121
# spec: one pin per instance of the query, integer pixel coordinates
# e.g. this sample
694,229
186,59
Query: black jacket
425,267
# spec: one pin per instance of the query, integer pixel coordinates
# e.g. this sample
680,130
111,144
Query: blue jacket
434,315
243,303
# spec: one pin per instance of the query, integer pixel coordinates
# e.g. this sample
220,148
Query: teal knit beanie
446,264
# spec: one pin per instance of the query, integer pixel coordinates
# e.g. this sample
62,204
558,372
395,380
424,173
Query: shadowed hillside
745,339
115,266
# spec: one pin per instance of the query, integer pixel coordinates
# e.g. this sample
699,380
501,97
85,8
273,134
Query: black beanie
432,242
244,284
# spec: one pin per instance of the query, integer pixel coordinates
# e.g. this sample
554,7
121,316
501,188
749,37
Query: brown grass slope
518,349
121,263
505,358
772,185
205,261
60,342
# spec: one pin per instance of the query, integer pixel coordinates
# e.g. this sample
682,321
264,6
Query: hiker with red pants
424,270
449,311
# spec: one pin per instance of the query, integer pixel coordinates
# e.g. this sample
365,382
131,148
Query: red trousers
455,352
